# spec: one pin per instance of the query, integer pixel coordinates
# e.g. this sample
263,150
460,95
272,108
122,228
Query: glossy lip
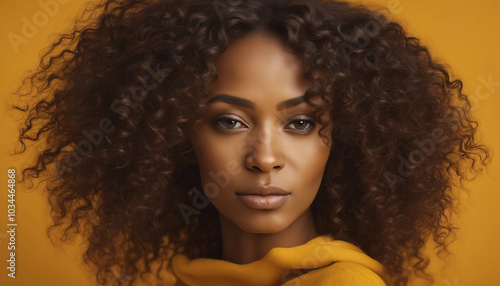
263,196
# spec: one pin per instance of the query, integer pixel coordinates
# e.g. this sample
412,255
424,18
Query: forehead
259,65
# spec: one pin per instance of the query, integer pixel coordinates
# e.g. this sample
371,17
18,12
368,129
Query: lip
263,196
264,190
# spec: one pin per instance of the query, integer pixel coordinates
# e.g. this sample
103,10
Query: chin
263,226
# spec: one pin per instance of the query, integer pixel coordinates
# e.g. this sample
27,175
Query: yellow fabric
336,262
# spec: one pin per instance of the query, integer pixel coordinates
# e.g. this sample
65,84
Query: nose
265,153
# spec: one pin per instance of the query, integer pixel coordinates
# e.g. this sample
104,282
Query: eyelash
311,124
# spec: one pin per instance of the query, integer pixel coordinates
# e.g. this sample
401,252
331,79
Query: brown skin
388,94
260,146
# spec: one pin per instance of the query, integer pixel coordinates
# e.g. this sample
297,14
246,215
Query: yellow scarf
336,262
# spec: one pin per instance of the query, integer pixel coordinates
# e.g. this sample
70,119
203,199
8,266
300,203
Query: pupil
301,123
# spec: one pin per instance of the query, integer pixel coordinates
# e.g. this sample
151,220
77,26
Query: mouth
263,196
264,190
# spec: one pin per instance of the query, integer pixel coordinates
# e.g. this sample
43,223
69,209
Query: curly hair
115,98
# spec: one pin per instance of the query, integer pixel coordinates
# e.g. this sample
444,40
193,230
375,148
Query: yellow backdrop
465,34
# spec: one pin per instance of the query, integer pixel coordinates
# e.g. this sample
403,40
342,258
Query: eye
302,126
228,123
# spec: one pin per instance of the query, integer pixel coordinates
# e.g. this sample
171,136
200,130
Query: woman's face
258,136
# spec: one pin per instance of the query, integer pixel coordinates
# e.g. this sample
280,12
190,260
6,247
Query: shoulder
344,273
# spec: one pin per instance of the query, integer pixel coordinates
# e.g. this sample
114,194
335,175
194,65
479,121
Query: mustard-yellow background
465,34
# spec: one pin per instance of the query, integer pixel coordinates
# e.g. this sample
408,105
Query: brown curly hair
116,97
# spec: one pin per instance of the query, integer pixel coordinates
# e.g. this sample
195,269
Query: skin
238,147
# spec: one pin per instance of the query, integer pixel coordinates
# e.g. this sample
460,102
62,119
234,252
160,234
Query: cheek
309,159
215,156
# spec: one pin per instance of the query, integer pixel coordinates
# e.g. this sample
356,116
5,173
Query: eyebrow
234,100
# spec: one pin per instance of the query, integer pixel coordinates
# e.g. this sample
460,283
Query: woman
250,143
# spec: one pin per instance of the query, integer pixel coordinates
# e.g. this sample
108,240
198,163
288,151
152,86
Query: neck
239,246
